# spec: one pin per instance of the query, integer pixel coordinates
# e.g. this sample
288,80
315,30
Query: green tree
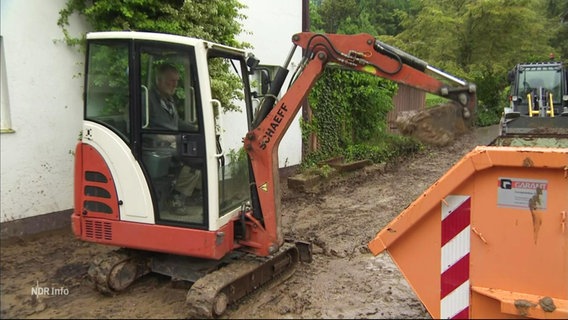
333,13
376,17
558,15
386,15
213,20
481,40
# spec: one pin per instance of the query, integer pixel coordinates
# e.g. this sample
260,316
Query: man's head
167,77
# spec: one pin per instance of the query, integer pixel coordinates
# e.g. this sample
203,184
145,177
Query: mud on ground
343,281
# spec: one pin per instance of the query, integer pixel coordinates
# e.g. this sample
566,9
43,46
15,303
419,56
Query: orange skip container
489,239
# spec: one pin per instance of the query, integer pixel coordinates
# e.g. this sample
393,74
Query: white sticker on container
522,193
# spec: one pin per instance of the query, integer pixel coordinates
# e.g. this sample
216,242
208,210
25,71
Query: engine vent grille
98,230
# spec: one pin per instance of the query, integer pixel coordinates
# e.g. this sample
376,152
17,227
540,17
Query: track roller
114,271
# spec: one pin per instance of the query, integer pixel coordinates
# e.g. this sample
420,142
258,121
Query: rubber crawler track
101,268
239,279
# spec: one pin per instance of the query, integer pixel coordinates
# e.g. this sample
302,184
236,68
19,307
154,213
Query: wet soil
344,280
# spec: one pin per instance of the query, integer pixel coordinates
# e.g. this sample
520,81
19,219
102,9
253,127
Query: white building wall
269,28
42,86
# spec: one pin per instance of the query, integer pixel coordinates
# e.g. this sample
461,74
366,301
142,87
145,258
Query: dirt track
343,281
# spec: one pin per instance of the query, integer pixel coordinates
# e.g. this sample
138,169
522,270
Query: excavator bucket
489,239
534,131
438,125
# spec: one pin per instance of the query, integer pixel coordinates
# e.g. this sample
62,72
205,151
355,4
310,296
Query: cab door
232,107
172,156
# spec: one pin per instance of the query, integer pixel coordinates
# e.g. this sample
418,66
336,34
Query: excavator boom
360,52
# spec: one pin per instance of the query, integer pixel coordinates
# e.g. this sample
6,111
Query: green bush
350,119
490,94
213,20
348,108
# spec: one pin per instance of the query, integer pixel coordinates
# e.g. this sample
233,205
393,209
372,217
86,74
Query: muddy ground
343,281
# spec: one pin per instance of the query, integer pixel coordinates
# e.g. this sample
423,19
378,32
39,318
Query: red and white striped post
455,246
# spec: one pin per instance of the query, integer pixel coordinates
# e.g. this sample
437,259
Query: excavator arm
361,52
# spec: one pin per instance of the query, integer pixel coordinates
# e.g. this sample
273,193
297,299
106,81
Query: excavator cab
160,177
133,174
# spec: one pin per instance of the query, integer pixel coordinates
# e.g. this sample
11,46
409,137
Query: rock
438,125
